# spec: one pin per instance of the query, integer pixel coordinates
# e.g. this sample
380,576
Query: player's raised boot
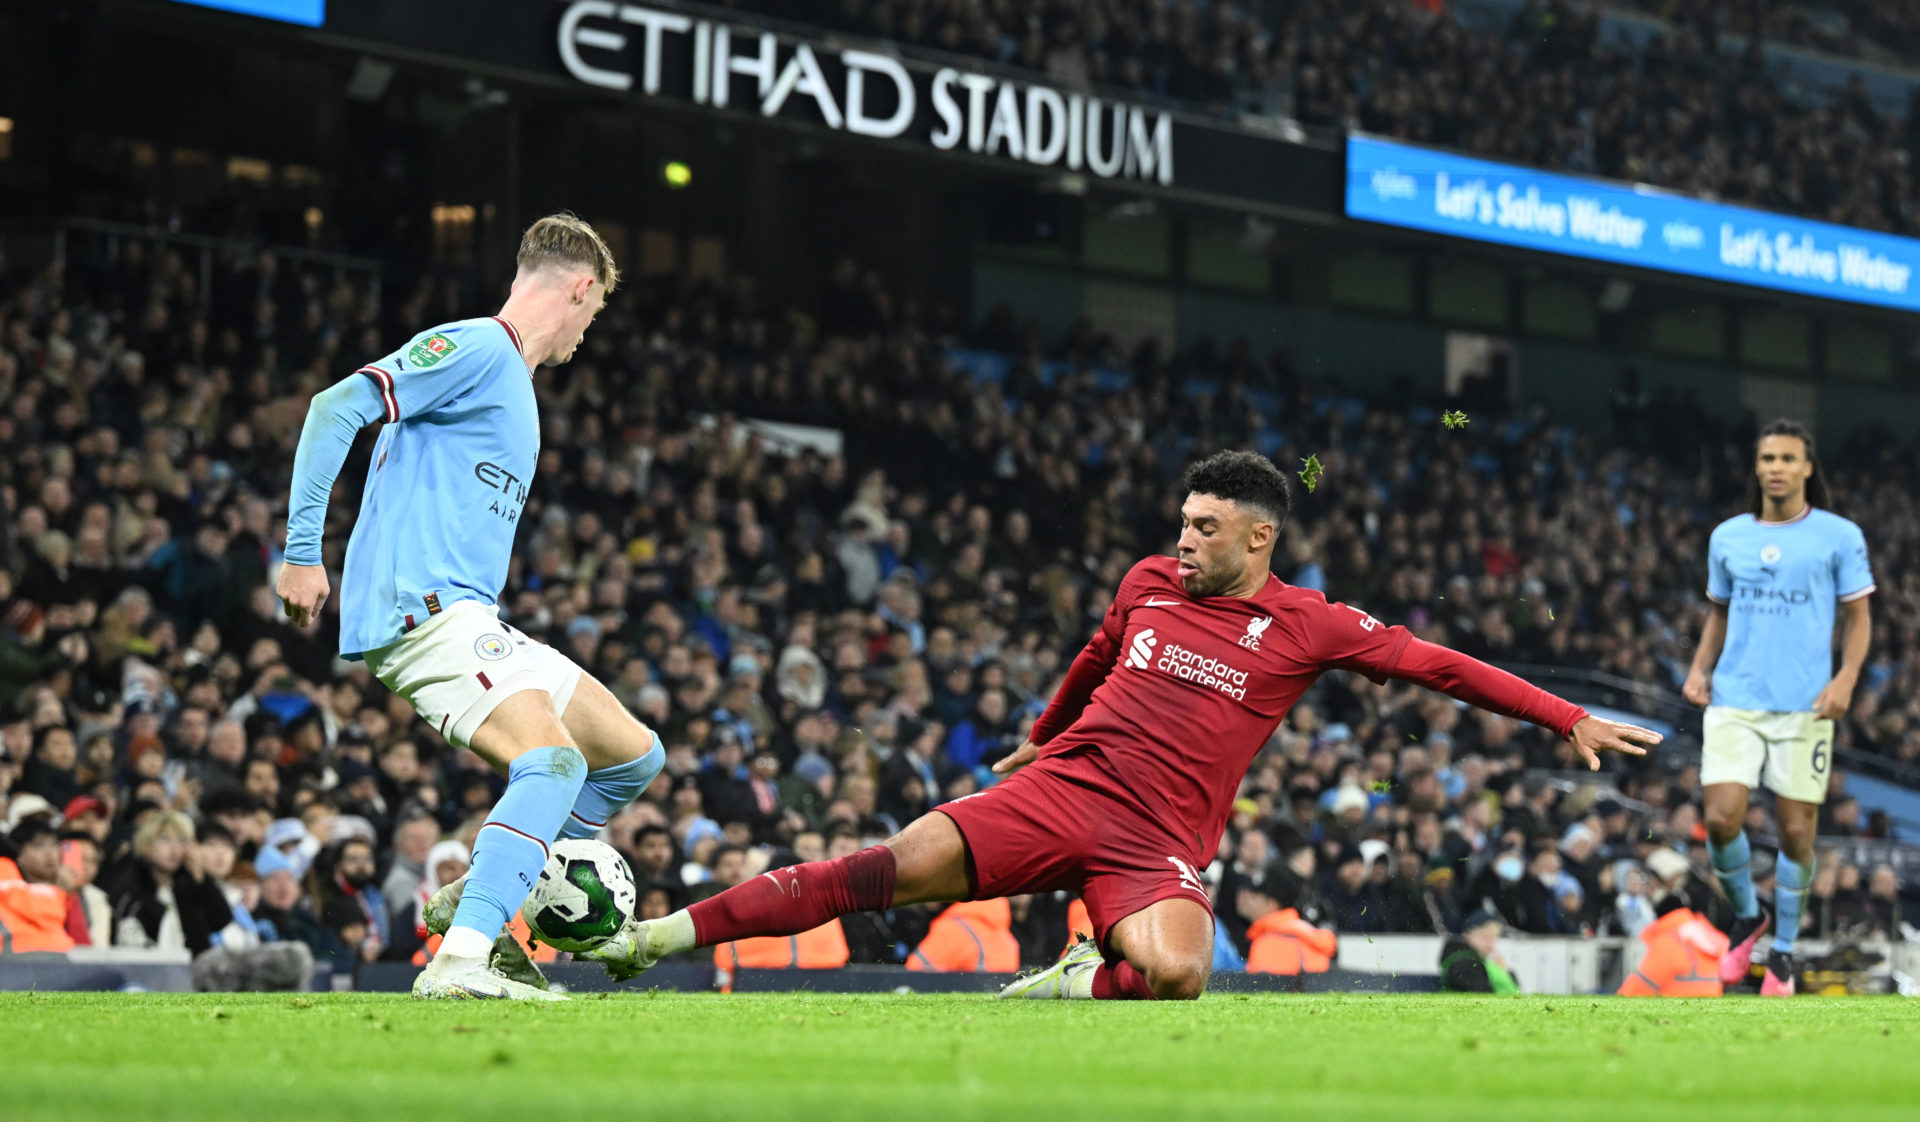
509,959
628,954
1779,979
1056,980
438,913
452,978
1746,934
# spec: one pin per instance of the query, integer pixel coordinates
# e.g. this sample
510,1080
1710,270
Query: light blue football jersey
1780,582
449,476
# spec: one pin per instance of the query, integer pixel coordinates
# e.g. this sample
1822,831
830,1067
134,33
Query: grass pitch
74,1057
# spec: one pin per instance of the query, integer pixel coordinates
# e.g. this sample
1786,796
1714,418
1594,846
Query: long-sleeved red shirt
1180,694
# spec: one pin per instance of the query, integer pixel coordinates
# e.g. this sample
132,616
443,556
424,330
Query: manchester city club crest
492,647
1769,554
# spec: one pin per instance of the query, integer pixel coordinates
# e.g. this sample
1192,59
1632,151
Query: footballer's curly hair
1247,478
1817,492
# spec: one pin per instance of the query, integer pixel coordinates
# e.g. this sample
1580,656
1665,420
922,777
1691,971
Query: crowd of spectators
829,643
1878,29
1546,91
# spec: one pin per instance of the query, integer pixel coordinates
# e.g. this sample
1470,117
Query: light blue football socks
607,791
1790,882
1733,864
511,848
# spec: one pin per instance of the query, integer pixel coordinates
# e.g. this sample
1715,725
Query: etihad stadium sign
727,66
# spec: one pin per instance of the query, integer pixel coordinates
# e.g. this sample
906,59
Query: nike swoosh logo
1155,603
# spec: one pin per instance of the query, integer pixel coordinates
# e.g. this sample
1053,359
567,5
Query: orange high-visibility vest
1682,959
975,936
1283,943
823,948
33,917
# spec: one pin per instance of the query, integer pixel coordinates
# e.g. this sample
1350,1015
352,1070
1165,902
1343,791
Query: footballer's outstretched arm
336,415
1493,689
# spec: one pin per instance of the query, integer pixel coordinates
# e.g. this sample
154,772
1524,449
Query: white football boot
1057,980
627,955
448,978
509,958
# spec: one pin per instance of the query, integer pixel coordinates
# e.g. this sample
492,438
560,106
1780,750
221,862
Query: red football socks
797,898
1120,982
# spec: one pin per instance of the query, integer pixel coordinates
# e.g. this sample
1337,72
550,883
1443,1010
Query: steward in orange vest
36,914
975,936
823,948
1280,942
1682,957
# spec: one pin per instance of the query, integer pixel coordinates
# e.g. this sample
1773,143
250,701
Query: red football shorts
1067,822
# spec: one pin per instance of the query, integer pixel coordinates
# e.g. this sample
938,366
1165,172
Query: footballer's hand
1699,688
1834,699
1593,736
1022,756
302,590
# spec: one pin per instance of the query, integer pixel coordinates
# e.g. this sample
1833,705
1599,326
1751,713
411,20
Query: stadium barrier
1375,964
131,969
698,977
1560,965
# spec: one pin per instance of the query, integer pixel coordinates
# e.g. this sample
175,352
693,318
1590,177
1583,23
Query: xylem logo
1142,654
1391,183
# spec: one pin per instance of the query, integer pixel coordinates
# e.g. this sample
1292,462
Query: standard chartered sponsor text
1191,666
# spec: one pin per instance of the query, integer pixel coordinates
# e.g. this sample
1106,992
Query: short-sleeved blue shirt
1780,582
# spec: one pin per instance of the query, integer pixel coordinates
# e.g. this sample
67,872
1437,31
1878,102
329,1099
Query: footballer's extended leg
623,756
1166,954
924,863
1793,875
523,737
1732,857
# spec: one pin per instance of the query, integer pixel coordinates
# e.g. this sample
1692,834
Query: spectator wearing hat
284,914
88,815
1353,903
25,807
444,862
1278,940
37,912
726,788
1471,962
690,824
808,786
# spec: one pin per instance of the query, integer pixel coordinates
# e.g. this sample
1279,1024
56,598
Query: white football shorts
456,668
1789,753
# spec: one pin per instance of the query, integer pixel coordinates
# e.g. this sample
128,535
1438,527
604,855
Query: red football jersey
1180,693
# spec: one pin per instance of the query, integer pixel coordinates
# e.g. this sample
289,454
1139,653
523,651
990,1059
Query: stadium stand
1549,84
839,562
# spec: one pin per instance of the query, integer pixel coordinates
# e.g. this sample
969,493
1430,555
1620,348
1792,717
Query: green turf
370,1058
